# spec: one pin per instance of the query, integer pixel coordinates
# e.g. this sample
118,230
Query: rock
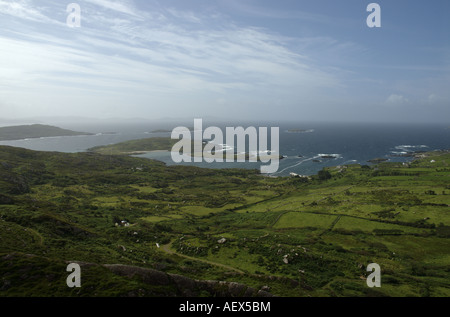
184,284
187,287
148,276
222,241
236,289
6,165
6,285
262,293
250,292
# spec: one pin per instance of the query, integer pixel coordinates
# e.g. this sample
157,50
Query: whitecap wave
399,152
329,156
410,148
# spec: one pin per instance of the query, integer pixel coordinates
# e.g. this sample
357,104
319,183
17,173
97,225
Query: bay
307,147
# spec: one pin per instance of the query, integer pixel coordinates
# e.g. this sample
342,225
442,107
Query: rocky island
298,131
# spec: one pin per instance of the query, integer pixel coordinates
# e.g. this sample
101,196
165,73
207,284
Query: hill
136,146
159,144
34,131
141,228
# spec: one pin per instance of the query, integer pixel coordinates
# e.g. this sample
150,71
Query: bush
324,175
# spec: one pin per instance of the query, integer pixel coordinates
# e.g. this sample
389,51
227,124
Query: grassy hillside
160,144
34,131
135,146
140,228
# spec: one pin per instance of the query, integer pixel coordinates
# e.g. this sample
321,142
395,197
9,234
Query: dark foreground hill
141,228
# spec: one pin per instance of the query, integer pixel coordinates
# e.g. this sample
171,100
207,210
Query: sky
232,59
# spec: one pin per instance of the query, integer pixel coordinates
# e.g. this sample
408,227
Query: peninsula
35,131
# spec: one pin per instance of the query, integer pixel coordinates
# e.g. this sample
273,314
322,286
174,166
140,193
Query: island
160,131
107,133
299,130
35,131
296,131
165,131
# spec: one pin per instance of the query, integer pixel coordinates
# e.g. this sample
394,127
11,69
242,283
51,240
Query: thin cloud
124,7
262,12
116,56
167,56
24,9
396,100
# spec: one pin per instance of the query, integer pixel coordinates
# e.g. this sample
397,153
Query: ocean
307,147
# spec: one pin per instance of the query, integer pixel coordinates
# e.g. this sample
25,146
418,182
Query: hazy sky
255,59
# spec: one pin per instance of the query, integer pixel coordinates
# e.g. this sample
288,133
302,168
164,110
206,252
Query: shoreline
45,137
374,162
144,152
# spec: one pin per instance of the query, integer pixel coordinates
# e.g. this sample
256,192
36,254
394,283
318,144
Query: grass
161,218
135,146
369,226
203,211
315,236
304,220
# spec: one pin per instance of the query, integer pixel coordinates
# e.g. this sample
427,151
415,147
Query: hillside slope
34,131
284,236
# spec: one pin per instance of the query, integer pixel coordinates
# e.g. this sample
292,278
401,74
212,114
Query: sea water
307,147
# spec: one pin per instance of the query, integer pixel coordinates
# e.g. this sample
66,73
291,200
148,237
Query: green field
304,220
292,237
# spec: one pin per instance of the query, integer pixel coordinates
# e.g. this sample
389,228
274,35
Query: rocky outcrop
185,286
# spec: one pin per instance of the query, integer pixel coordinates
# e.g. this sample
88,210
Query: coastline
143,152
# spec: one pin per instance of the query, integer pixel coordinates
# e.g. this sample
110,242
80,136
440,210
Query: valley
282,236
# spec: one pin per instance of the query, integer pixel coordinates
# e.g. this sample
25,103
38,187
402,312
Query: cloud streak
26,10
138,57
134,54
123,7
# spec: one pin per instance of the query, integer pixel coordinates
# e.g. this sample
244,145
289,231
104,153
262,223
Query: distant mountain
35,131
